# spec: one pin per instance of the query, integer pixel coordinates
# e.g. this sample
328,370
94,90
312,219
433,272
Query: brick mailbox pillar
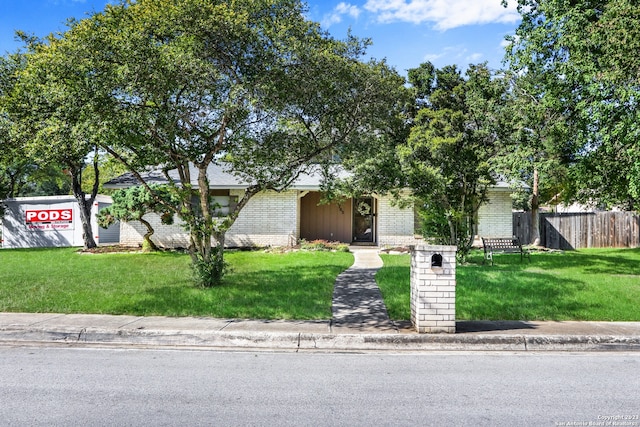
433,288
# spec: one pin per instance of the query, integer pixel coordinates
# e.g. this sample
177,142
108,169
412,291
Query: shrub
208,273
323,245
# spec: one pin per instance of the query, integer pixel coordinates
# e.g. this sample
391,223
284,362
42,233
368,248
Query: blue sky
405,32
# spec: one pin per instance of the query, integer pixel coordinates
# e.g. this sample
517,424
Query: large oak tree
249,84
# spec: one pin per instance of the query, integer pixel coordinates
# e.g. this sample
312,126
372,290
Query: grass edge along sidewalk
260,285
583,285
596,285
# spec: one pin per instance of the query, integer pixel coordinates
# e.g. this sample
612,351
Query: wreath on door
363,208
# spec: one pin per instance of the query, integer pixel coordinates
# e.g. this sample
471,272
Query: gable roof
219,179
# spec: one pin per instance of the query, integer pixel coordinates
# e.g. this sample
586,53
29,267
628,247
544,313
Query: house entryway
350,221
364,220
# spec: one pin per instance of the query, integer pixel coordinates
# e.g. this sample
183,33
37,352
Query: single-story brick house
283,218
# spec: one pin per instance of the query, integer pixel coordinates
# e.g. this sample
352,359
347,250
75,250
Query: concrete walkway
357,301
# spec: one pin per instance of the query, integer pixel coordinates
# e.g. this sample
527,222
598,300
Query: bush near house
323,245
587,285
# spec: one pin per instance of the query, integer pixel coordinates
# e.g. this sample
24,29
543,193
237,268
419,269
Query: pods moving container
51,221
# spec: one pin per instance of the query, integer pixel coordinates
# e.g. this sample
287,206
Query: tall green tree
447,157
52,121
591,47
252,85
536,145
14,168
20,174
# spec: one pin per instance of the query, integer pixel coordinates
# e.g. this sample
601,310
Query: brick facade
494,217
269,219
169,236
273,219
395,225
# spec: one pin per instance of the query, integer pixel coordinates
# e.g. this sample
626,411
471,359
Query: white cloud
338,12
432,57
446,52
506,43
454,54
474,58
445,14
348,9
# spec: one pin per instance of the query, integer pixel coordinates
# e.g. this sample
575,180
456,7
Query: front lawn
297,285
590,284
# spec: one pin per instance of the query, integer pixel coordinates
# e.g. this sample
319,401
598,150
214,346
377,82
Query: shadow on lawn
613,261
290,293
517,290
571,285
511,290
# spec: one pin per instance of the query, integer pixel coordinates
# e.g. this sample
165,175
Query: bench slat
505,245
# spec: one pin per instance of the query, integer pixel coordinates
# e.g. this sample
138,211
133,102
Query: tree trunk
218,252
535,205
453,237
147,243
85,219
85,206
207,260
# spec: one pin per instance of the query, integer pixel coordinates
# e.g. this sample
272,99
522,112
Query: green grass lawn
593,284
297,285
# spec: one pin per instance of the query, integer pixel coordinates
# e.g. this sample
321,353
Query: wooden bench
505,245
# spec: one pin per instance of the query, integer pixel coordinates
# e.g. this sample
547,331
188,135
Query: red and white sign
49,219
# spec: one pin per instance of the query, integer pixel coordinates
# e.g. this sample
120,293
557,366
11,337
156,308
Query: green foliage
22,172
434,225
109,168
580,59
536,129
446,158
21,177
209,272
323,245
180,85
51,120
537,147
133,203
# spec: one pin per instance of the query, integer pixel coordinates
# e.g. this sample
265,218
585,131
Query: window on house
223,203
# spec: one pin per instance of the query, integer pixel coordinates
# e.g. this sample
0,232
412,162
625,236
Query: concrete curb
291,341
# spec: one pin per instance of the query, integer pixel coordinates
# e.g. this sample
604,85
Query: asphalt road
92,386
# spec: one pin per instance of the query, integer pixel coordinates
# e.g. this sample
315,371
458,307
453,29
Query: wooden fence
581,230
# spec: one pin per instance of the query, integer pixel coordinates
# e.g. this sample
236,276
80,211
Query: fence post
433,288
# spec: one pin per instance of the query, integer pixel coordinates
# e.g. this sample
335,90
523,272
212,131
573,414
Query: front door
363,220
